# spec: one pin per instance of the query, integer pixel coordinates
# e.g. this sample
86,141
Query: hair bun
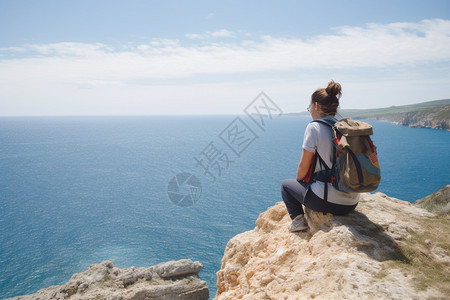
334,89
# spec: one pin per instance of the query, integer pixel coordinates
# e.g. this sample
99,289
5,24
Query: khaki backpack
355,166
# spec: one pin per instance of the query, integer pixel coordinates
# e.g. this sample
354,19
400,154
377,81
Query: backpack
355,166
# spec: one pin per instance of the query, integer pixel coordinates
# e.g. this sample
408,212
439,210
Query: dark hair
328,98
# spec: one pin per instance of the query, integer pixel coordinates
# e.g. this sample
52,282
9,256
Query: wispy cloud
222,33
90,66
375,45
195,35
67,49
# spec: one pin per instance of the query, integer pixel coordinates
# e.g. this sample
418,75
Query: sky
132,57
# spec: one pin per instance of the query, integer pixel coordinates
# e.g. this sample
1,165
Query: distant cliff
386,249
438,202
433,114
170,280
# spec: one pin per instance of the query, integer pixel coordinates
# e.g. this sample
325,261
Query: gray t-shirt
319,137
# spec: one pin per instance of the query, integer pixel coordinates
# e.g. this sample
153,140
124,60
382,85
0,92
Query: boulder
169,280
385,249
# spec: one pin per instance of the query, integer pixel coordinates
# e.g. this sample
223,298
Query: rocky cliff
432,114
438,202
437,118
386,249
170,280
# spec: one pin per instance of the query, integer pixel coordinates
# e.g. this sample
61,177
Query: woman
318,138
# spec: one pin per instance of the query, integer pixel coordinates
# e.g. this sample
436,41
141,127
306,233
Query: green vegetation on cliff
433,114
438,202
396,110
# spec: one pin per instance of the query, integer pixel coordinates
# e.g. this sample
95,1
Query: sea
141,190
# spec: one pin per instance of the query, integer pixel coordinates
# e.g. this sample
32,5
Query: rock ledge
386,249
169,280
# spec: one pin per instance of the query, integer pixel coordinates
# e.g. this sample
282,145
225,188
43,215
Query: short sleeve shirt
319,137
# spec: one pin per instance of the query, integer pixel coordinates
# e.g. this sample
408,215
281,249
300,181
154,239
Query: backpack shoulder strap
328,120
323,175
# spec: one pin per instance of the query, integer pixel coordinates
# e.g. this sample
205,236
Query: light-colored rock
372,253
178,268
438,202
437,117
433,114
317,220
169,280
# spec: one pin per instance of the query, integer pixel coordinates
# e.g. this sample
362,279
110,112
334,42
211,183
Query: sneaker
298,224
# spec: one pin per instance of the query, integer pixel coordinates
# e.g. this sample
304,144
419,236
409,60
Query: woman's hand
304,165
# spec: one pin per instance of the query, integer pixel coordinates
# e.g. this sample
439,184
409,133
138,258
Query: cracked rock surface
169,280
385,249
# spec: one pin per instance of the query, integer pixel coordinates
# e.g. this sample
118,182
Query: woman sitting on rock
318,138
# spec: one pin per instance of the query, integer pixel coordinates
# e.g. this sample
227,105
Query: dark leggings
293,193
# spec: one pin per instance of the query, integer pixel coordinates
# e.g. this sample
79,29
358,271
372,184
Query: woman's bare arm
304,165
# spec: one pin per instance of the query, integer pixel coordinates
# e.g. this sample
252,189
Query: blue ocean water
78,190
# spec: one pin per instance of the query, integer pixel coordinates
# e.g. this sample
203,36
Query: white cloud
351,47
195,36
71,49
13,49
222,33
70,70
